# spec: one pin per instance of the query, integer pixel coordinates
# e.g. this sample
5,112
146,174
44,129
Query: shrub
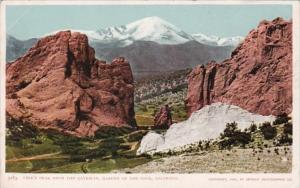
285,139
268,131
230,129
253,127
207,145
226,143
19,129
288,128
281,119
232,136
39,139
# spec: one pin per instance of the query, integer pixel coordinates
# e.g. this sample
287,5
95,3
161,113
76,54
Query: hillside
152,92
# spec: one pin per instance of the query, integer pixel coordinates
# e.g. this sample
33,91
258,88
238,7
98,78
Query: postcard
150,94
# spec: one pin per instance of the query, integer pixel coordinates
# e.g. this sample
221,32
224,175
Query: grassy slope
58,153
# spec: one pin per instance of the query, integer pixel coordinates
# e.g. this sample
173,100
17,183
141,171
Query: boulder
150,142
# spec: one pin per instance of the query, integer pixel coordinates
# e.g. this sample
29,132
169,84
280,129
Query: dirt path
38,157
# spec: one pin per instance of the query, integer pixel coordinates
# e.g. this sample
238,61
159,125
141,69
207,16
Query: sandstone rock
163,118
257,77
58,84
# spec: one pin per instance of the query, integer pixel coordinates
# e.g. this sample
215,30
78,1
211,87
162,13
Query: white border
183,180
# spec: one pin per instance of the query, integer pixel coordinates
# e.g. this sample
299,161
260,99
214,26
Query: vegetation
281,119
31,150
253,127
268,130
232,136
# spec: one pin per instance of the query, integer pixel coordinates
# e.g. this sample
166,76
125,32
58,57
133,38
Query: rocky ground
221,161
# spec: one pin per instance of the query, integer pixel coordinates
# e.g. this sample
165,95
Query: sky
28,21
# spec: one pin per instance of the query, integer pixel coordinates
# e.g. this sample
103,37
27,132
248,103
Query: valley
153,92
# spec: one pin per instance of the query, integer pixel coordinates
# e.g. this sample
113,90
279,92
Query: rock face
163,118
257,77
206,123
58,84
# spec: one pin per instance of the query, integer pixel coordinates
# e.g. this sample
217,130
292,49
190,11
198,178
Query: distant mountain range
151,45
156,30
16,48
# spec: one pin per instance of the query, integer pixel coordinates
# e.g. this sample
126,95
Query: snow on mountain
148,29
160,31
218,41
206,123
152,29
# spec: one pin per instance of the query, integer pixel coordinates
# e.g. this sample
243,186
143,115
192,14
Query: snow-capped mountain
148,29
153,29
218,41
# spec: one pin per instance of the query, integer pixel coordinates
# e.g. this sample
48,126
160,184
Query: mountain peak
151,28
151,20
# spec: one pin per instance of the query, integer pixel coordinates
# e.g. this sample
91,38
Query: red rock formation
163,118
258,77
58,84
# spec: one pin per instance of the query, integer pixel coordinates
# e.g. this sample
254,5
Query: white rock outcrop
150,142
206,123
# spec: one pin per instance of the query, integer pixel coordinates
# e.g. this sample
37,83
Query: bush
285,139
268,131
226,143
18,129
281,119
288,128
253,127
232,136
230,130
